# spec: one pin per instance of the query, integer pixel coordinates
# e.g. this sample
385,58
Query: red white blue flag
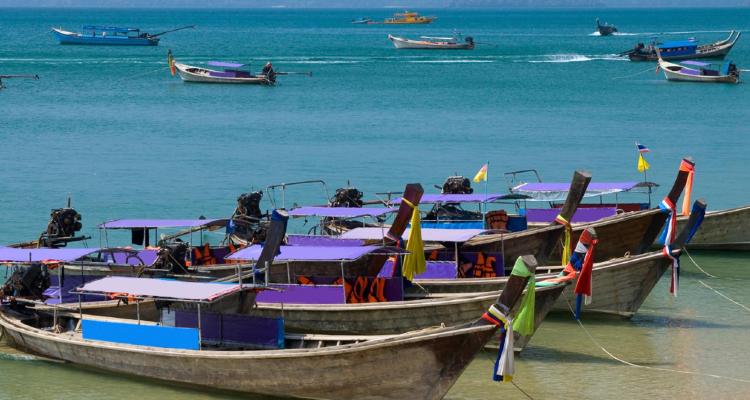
641,148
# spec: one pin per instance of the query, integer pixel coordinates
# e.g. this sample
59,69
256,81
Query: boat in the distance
363,20
699,71
682,49
432,43
606,29
2,86
111,36
231,72
408,17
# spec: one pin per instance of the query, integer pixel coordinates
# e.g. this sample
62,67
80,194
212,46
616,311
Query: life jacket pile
364,290
485,266
203,257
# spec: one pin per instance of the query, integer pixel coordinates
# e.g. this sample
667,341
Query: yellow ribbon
414,262
566,240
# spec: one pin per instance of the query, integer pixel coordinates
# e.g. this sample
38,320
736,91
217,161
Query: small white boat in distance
432,43
699,71
230,74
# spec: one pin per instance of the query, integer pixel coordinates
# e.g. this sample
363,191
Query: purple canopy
696,63
460,198
582,215
557,191
160,223
9,254
225,64
317,240
160,288
306,253
340,212
428,234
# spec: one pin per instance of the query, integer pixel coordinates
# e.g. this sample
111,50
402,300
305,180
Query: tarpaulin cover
225,64
160,288
428,235
340,212
317,240
10,254
159,223
434,270
235,329
557,191
582,214
306,253
460,198
696,63
141,335
303,294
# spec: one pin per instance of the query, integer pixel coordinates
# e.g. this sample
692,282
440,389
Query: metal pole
60,282
80,309
343,281
455,254
288,274
199,326
138,310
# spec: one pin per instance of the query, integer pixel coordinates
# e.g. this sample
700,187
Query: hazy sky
373,3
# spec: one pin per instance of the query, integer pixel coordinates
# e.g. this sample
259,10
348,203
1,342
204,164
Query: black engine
453,211
249,222
347,197
27,282
171,256
457,185
63,225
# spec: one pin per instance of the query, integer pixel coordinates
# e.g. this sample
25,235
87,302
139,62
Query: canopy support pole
343,281
455,254
80,309
138,310
199,326
288,274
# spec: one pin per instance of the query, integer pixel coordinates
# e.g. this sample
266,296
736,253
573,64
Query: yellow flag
481,175
414,262
642,164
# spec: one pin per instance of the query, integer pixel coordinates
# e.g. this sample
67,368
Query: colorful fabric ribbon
583,289
503,371
566,241
414,262
666,238
524,321
688,167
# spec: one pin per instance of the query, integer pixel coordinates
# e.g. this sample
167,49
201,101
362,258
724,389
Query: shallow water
110,127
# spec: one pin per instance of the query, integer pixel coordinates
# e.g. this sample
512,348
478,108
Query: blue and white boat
683,49
110,36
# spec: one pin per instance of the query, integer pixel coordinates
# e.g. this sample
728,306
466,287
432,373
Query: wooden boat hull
190,73
429,363
722,230
65,37
618,235
620,286
717,50
403,43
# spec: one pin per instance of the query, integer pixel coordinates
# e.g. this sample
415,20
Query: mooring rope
696,264
724,296
637,73
628,363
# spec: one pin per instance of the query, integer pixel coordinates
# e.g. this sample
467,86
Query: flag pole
486,179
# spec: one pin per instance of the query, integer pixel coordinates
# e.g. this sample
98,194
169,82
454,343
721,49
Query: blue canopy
678,43
108,29
225,64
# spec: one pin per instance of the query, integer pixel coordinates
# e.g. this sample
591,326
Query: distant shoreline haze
373,4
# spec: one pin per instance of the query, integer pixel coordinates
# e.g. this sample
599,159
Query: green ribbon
524,321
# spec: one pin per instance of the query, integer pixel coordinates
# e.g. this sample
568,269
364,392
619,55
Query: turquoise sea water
110,127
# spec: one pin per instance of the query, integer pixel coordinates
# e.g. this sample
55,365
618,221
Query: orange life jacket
347,288
484,268
303,280
433,255
377,291
358,293
207,257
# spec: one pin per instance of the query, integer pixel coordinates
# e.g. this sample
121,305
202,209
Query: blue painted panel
142,335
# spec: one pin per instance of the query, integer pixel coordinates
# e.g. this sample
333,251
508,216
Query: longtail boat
683,49
27,76
231,72
111,36
431,360
432,43
722,230
606,29
699,71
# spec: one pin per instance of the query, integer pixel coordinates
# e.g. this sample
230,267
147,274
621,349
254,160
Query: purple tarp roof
317,240
225,64
159,223
428,234
340,212
306,253
557,191
458,198
9,254
696,63
160,288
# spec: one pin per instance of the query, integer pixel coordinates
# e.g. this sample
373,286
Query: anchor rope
637,73
724,296
696,264
630,364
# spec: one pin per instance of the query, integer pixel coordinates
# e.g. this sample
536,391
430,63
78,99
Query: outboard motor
457,185
469,40
248,220
347,197
171,256
27,282
63,225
